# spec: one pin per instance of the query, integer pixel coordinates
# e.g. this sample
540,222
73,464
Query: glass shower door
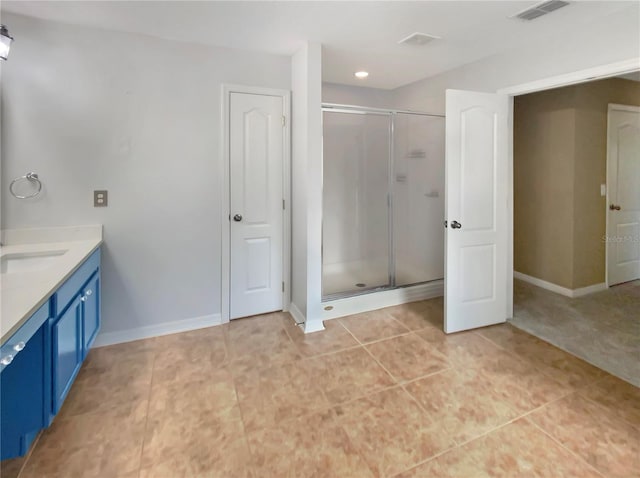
418,195
356,221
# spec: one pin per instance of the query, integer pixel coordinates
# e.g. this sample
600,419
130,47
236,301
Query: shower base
366,275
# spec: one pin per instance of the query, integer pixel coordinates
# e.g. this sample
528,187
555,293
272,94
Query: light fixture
5,42
361,75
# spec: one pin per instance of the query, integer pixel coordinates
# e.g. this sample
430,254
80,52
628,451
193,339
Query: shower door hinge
284,120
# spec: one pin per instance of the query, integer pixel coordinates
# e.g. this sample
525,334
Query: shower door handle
455,225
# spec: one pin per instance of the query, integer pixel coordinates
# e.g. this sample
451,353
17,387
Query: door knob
237,218
455,225
614,207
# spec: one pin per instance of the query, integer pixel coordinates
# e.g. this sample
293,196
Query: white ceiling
355,35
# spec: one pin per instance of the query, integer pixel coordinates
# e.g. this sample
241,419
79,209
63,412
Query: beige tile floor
385,393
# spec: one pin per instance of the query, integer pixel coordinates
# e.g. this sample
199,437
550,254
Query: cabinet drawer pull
6,360
19,346
89,292
83,298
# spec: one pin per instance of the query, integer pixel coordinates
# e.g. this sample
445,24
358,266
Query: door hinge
284,120
283,204
283,287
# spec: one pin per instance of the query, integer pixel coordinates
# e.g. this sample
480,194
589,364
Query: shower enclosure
383,200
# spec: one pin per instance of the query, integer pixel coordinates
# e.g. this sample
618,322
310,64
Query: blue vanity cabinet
66,333
74,326
73,333
91,314
39,363
25,384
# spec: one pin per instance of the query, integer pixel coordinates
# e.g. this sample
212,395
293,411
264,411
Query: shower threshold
371,290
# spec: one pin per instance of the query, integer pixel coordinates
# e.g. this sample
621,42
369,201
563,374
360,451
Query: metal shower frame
391,113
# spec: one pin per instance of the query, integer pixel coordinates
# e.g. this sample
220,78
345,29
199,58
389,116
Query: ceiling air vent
418,39
540,9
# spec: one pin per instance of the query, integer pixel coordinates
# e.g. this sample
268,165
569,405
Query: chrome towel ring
33,178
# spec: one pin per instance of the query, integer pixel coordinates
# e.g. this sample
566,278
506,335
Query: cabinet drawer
73,284
16,343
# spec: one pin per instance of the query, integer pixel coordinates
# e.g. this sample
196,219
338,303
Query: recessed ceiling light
362,74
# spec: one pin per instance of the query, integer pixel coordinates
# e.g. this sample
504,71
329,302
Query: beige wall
560,148
544,154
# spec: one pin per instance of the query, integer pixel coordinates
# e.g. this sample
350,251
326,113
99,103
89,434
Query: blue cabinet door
91,315
67,351
23,396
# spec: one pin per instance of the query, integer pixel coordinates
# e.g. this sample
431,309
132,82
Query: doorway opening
576,242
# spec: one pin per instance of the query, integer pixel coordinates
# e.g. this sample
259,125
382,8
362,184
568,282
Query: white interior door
623,194
256,150
476,194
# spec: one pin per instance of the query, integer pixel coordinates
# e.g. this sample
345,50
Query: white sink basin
28,261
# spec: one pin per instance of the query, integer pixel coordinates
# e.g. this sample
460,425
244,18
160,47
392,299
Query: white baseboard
148,331
378,300
589,289
572,293
543,284
296,314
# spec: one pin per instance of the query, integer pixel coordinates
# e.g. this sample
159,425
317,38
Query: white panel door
256,151
623,178
476,192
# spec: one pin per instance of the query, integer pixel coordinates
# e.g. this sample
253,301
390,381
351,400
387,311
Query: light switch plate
100,198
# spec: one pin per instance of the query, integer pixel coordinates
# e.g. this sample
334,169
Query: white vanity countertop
23,292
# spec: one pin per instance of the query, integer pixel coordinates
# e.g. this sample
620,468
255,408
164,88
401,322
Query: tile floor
379,394
601,328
